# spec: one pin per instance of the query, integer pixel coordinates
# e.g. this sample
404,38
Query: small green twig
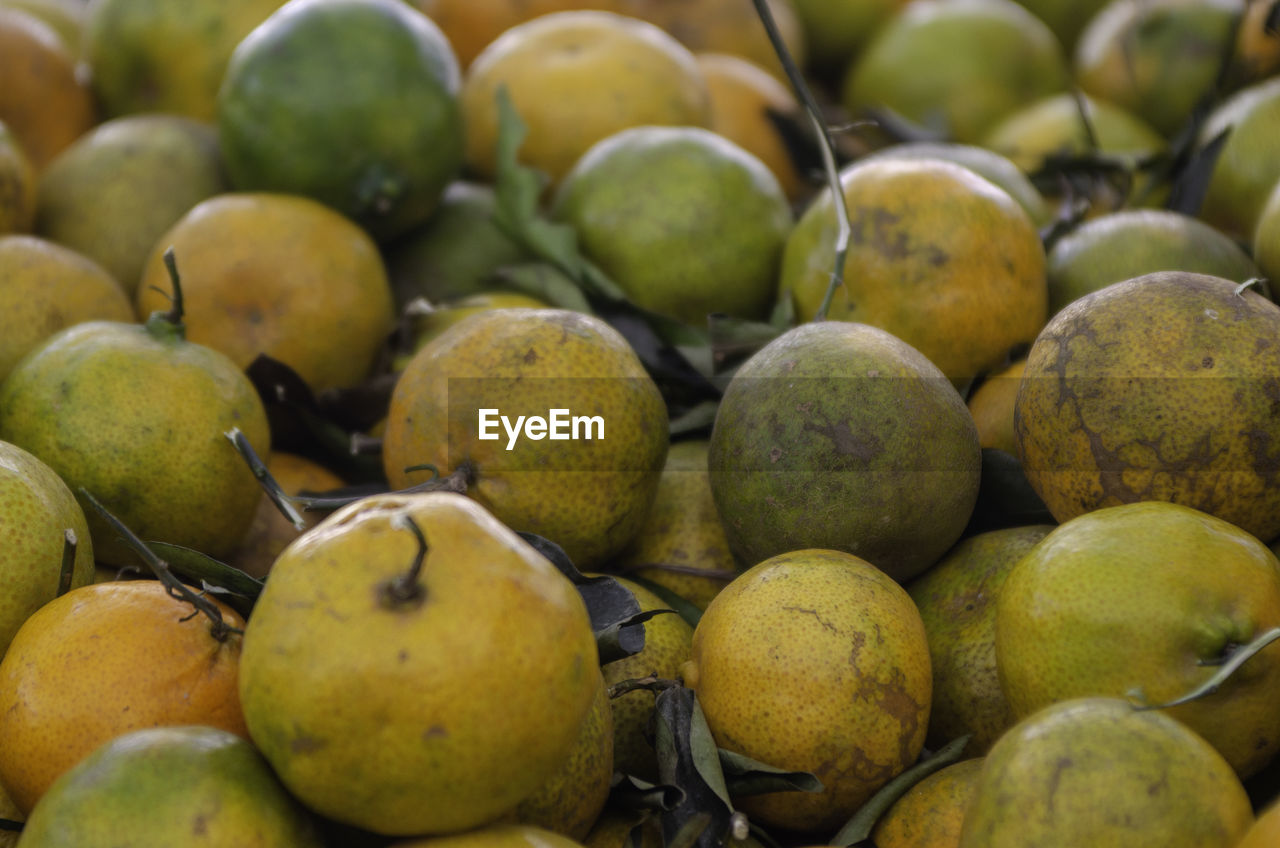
67,574
178,590
1238,657
844,233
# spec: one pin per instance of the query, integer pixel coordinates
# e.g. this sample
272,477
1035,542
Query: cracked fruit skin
840,435
590,497
137,416
1147,598
942,258
171,786
1162,387
814,661
428,716
1096,772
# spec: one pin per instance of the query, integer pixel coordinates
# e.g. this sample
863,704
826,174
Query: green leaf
615,613
745,776
735,339
697,418
545,282
196,566
859,827
629,792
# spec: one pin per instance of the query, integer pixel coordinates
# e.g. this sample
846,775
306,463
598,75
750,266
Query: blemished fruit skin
138,419
170,786
36,511
427,714
988,164
589,495
957,602
350,102
1161,387
939,256
1144,600
1095,771
815,661
686,222
840,435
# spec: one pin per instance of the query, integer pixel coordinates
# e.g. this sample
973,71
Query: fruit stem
652,683
277,495
177,590
168,325
65,576
845,230
405,588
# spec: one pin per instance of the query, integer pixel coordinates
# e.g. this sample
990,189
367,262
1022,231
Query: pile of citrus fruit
553,423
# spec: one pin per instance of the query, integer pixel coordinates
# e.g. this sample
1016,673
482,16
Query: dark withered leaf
358,407
683,607
688,758
1191,184
796,132
1005,496
745,776
628,792
610,605
299,425
626,637
858,828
